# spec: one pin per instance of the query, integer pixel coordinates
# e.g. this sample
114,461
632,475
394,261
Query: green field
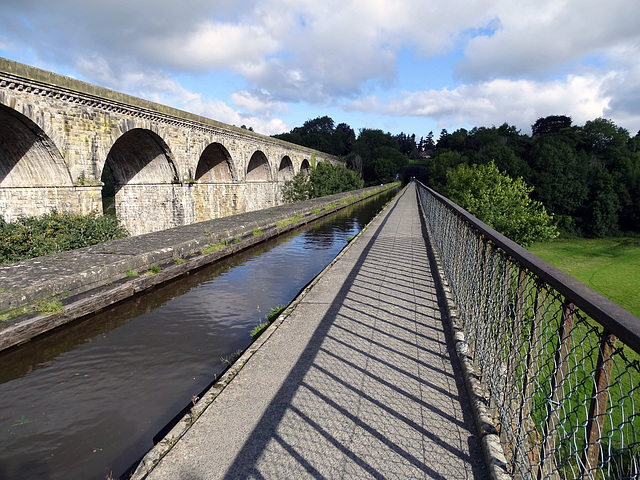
611,266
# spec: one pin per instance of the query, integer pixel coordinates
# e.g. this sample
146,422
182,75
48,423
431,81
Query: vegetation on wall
30,237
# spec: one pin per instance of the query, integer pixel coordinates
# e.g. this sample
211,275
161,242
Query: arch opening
215,165
28,157
140,181
305,166
285,172
141,157
34,178
258,168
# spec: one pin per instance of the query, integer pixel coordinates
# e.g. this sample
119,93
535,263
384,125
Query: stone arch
215,165
28,157
285,172
146,187
305,166
140,156
258,169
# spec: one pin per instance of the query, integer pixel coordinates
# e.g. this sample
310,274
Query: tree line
587,177
377,157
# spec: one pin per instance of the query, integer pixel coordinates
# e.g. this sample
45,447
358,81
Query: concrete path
360,381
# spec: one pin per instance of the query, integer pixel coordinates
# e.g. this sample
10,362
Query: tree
559,174
325,179
343,140
316,133
297,189
601,210
550,124
439,165
373,145
501,202
453,141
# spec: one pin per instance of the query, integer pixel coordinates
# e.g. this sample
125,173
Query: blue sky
398,65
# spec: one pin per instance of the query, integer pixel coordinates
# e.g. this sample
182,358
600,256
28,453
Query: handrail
616,319
551,352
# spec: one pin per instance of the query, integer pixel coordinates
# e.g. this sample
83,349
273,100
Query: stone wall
29,201
58,132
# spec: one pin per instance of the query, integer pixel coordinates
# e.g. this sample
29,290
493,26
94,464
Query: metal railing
560,362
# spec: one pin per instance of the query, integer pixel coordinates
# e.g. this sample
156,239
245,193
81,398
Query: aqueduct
62,141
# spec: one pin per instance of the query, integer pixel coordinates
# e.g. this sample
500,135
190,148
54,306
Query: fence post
528,386
598,405
556,395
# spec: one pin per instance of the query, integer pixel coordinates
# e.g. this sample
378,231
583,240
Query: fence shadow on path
377,391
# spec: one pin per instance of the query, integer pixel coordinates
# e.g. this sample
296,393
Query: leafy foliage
588,177
376,156
297,189
30,237
550,124
501,202
325,179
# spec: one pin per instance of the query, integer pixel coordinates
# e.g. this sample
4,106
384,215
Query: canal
87,400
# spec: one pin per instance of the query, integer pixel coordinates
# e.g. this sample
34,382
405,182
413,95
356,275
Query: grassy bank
611,266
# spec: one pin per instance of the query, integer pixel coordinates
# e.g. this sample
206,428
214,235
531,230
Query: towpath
359,381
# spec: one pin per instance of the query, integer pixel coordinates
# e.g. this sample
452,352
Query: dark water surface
87,399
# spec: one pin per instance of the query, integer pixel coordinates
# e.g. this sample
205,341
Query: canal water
87,400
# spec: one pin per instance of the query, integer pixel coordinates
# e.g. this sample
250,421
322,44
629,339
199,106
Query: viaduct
62,141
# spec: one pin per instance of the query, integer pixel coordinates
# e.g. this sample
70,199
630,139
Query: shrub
30,237
325,179
501,202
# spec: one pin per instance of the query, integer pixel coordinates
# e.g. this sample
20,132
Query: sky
411,66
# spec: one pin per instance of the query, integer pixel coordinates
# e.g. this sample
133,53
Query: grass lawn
611,266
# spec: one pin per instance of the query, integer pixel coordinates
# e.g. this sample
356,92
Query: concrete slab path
360,381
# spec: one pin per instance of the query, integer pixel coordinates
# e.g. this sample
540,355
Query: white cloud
517,102
343,49
327,53
253,103
539,38
213,45
220,111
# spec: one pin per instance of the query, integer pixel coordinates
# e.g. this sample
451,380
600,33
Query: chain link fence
559,361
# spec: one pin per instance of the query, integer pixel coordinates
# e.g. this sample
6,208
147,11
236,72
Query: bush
325,179
30,237
501,202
